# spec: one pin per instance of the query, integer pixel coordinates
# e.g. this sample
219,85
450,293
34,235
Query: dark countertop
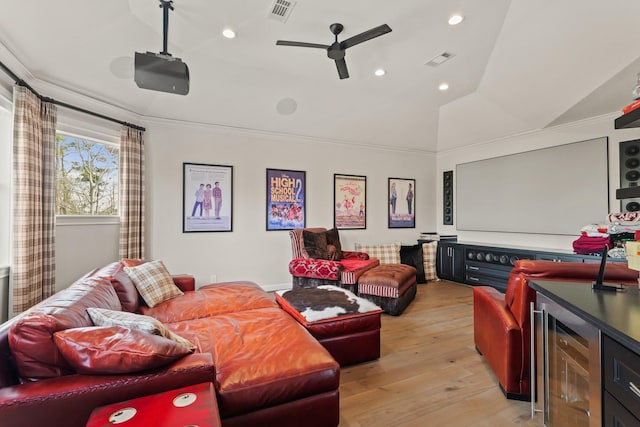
616,314
499,246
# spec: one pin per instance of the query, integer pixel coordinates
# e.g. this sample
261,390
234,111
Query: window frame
105,136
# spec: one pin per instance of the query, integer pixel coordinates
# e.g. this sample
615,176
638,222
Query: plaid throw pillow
139,322
386,254
429,254
154,282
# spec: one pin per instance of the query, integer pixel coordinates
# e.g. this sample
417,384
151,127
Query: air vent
281,10
438,60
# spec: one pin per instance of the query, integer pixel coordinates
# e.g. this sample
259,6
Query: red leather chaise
501,322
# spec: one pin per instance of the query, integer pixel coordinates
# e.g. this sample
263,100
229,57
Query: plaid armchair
343,271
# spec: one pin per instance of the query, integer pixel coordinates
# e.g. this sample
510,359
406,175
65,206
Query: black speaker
447,198
630,172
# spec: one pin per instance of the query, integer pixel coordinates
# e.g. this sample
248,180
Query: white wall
573,132
250,252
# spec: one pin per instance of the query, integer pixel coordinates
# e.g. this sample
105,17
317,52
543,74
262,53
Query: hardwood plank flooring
429,373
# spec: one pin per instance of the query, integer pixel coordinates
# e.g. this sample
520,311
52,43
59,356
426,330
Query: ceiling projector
164,73
161,71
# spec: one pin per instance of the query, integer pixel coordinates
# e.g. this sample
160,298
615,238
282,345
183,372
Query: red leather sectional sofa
501,322
266,368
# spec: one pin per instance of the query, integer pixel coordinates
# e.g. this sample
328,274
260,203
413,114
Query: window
86,176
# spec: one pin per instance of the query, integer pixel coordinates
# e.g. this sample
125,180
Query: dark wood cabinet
487,265
621,383
450,262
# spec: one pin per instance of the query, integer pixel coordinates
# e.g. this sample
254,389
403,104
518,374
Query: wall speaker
630,172
447,198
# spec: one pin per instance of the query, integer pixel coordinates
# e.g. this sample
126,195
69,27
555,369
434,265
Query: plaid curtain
33,191
131,193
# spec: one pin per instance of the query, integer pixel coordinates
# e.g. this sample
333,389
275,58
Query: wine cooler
567,355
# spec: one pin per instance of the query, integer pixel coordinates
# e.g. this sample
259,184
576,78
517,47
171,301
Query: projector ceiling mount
165,5
161,71
336,51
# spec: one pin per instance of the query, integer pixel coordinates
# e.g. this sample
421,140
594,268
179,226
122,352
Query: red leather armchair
501,322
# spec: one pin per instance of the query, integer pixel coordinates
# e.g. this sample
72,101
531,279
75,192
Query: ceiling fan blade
342,68
301,44
367,35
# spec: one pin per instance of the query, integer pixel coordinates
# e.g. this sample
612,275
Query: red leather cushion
211,300
286,362
124,287
31,337
115,350
132,262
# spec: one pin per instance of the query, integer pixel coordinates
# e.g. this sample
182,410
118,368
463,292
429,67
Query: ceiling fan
336,51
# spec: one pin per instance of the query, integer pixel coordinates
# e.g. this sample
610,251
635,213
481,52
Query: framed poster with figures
286,196
207,198
402,212
349,201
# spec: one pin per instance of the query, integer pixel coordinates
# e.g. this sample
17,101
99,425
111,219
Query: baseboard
277,287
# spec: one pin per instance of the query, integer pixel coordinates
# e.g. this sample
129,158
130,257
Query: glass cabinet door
570,368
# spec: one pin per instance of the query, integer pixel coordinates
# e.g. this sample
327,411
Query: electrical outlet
213,278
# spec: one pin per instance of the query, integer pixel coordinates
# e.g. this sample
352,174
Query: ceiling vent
281,10
440,59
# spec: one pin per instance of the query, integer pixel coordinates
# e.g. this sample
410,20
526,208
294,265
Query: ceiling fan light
380,72
229,33
443,86
455,19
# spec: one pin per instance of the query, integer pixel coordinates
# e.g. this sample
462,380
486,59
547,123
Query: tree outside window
86,176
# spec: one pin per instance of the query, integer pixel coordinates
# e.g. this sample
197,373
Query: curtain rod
21,82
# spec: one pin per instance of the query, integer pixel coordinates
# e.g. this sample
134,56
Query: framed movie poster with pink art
349,201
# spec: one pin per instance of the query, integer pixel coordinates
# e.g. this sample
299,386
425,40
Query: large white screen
555,190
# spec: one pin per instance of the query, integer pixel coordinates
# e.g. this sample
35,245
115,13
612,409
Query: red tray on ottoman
346,325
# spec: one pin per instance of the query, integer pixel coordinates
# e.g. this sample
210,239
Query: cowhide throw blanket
326,302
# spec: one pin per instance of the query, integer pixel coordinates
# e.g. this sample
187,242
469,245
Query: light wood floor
429,373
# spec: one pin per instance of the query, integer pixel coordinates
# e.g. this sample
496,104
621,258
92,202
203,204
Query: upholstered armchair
323,262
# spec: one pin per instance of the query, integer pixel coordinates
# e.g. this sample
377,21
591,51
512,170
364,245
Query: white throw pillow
105,317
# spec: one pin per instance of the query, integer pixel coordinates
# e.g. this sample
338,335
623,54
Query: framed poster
349,201
286,195
207,197
402,203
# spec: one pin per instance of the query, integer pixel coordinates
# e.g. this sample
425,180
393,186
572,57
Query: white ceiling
519,64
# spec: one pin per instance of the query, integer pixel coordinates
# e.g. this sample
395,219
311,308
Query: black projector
163,73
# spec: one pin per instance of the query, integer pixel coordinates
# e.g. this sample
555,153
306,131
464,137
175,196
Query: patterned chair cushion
387,254
353,268
429,255
154,282
315,268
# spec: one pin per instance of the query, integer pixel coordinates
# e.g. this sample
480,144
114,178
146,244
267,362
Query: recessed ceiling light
229,33
380,72
456,19
443,86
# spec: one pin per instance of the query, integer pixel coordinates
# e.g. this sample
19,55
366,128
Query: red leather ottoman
391,286
346,325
